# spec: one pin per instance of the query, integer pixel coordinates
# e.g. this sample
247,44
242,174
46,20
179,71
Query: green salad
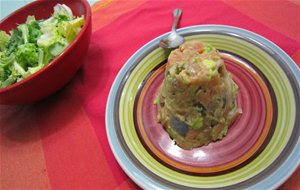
32,45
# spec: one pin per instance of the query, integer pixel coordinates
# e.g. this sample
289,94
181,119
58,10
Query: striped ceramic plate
262,147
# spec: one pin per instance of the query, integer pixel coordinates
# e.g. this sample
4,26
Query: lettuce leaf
4,39
35,43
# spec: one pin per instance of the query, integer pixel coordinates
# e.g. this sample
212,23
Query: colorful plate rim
283,171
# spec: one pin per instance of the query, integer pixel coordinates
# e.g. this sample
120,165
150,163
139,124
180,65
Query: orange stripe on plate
72,151
22,163
282,16
109,10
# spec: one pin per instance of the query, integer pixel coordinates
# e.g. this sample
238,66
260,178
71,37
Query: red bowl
59,71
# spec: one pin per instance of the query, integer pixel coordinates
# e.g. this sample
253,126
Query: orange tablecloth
61,142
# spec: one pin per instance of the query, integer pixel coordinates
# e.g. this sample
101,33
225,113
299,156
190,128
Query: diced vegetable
198,123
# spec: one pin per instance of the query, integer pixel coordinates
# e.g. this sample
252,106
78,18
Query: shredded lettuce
4,39
35,43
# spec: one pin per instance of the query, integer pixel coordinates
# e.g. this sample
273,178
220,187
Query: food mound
198,98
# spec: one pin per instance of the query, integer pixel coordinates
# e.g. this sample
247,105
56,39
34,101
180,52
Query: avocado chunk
198,123
211,66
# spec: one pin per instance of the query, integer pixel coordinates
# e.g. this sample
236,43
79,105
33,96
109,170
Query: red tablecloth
61,142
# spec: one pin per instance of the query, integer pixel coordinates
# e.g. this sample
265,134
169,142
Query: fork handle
177,15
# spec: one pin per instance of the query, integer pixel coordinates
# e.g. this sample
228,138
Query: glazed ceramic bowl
60,70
